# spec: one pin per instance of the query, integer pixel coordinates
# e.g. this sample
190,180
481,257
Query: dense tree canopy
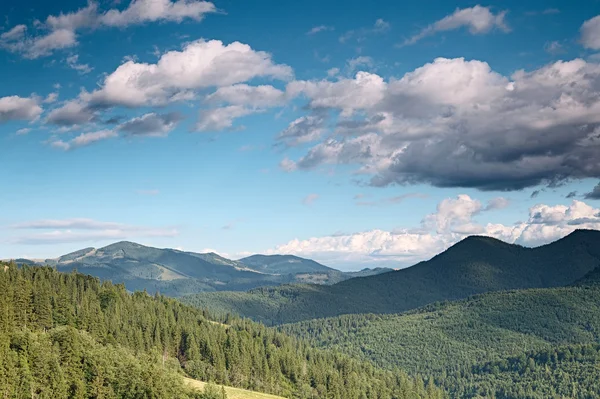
72,336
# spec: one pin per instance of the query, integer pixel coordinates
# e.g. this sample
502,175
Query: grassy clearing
233,393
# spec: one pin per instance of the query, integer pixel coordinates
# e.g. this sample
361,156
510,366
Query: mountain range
175,273
475,265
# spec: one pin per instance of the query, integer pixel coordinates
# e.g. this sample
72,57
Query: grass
233,393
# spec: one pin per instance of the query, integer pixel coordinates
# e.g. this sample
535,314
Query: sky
356,135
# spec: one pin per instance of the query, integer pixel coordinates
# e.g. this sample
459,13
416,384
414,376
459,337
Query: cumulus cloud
81,229
61,31
84,139
19,108
479,20
590,33
177,74
453,220
457,123
74,112
152,124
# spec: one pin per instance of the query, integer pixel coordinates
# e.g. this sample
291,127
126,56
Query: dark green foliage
473,266
71,336
175,273
515,344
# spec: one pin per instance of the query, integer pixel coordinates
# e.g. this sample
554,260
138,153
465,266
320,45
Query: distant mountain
175,273
475,265
284,264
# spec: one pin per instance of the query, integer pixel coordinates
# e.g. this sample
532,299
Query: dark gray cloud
457,123
594,194
572,194
151,124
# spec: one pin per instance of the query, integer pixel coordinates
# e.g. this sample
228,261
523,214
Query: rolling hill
483,341
474,265
175,273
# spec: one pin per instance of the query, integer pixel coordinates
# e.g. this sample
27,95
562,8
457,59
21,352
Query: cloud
497,203
310,199
590,33
303,130
19,108
479,20
72,112
51,98
594,194
554,48
452,221
73,63
458,123
380,26
80,230
572,194
23,131
243,94
217,119
320,28
288,165
152,125
534,194
362,61
84,139
61,32
178,74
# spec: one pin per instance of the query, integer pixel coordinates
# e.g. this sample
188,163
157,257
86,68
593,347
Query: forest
538,343
72,336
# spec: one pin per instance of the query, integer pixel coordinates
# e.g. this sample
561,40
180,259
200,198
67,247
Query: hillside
481,342
72,336
473,266
176,273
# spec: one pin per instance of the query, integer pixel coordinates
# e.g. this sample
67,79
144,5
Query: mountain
472,266
72,336
284,264
175,273
482,346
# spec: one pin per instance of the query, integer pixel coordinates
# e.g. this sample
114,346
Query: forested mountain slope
482,345
174,273
475,265
72,336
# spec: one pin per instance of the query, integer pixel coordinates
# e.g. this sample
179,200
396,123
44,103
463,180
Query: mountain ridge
472,266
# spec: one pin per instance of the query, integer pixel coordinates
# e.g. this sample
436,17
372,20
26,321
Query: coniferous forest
72,336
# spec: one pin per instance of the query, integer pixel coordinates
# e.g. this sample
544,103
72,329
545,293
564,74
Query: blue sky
357,135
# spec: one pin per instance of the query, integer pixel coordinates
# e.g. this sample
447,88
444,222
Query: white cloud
73,63
590,33
83,140
479,20
177,74
80,230
19,108
51,98
554,47
317,29
243,94
453,220
23,131
60,32
217,119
